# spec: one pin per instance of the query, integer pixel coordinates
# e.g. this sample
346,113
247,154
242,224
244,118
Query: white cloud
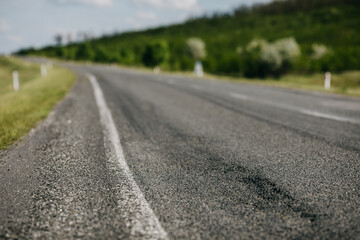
134,24
4,25
13,38
5,29
175,4
101,3
147,15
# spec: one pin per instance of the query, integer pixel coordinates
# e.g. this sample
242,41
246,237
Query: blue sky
34,23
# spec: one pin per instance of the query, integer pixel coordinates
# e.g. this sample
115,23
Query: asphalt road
133,155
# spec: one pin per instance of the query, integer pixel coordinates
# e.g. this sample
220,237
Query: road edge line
148,217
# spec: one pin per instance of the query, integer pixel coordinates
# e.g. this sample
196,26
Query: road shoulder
55,180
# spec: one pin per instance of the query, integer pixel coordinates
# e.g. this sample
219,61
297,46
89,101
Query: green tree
195,47
84,52
275,58
318,51
252,64
101,55
155,53
60,52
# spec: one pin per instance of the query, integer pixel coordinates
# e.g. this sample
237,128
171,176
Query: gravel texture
211,166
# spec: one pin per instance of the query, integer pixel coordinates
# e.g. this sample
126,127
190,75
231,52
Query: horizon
44,19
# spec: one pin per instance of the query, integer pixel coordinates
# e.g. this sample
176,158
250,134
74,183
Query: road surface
134,155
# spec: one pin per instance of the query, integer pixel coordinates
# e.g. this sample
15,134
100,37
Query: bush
101,55
229,64
195,47
155,53
126,56
318,51
323,21
59,52
288,49
84,52
262,58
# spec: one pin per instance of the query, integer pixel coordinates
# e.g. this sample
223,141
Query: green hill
332,25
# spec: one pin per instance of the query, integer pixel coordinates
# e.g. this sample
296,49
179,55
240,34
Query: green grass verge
347,83
21,111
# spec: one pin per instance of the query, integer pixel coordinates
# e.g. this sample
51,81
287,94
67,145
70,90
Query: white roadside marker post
16,83
327,82
43,70
199,69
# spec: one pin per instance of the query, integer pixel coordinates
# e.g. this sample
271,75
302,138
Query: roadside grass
346,83
27,72
21,111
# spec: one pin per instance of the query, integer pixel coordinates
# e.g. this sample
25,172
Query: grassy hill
332,24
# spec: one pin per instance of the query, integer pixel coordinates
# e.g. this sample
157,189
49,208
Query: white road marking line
239,96
140,216
295,109
328,116
197,87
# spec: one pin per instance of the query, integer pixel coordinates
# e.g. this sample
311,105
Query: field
20,111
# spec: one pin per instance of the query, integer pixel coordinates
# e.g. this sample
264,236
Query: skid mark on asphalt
140,217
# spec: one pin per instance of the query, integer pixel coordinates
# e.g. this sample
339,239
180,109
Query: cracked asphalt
214,160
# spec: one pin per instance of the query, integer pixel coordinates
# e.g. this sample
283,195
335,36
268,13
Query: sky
34,23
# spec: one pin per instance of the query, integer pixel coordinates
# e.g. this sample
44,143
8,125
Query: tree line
301,36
